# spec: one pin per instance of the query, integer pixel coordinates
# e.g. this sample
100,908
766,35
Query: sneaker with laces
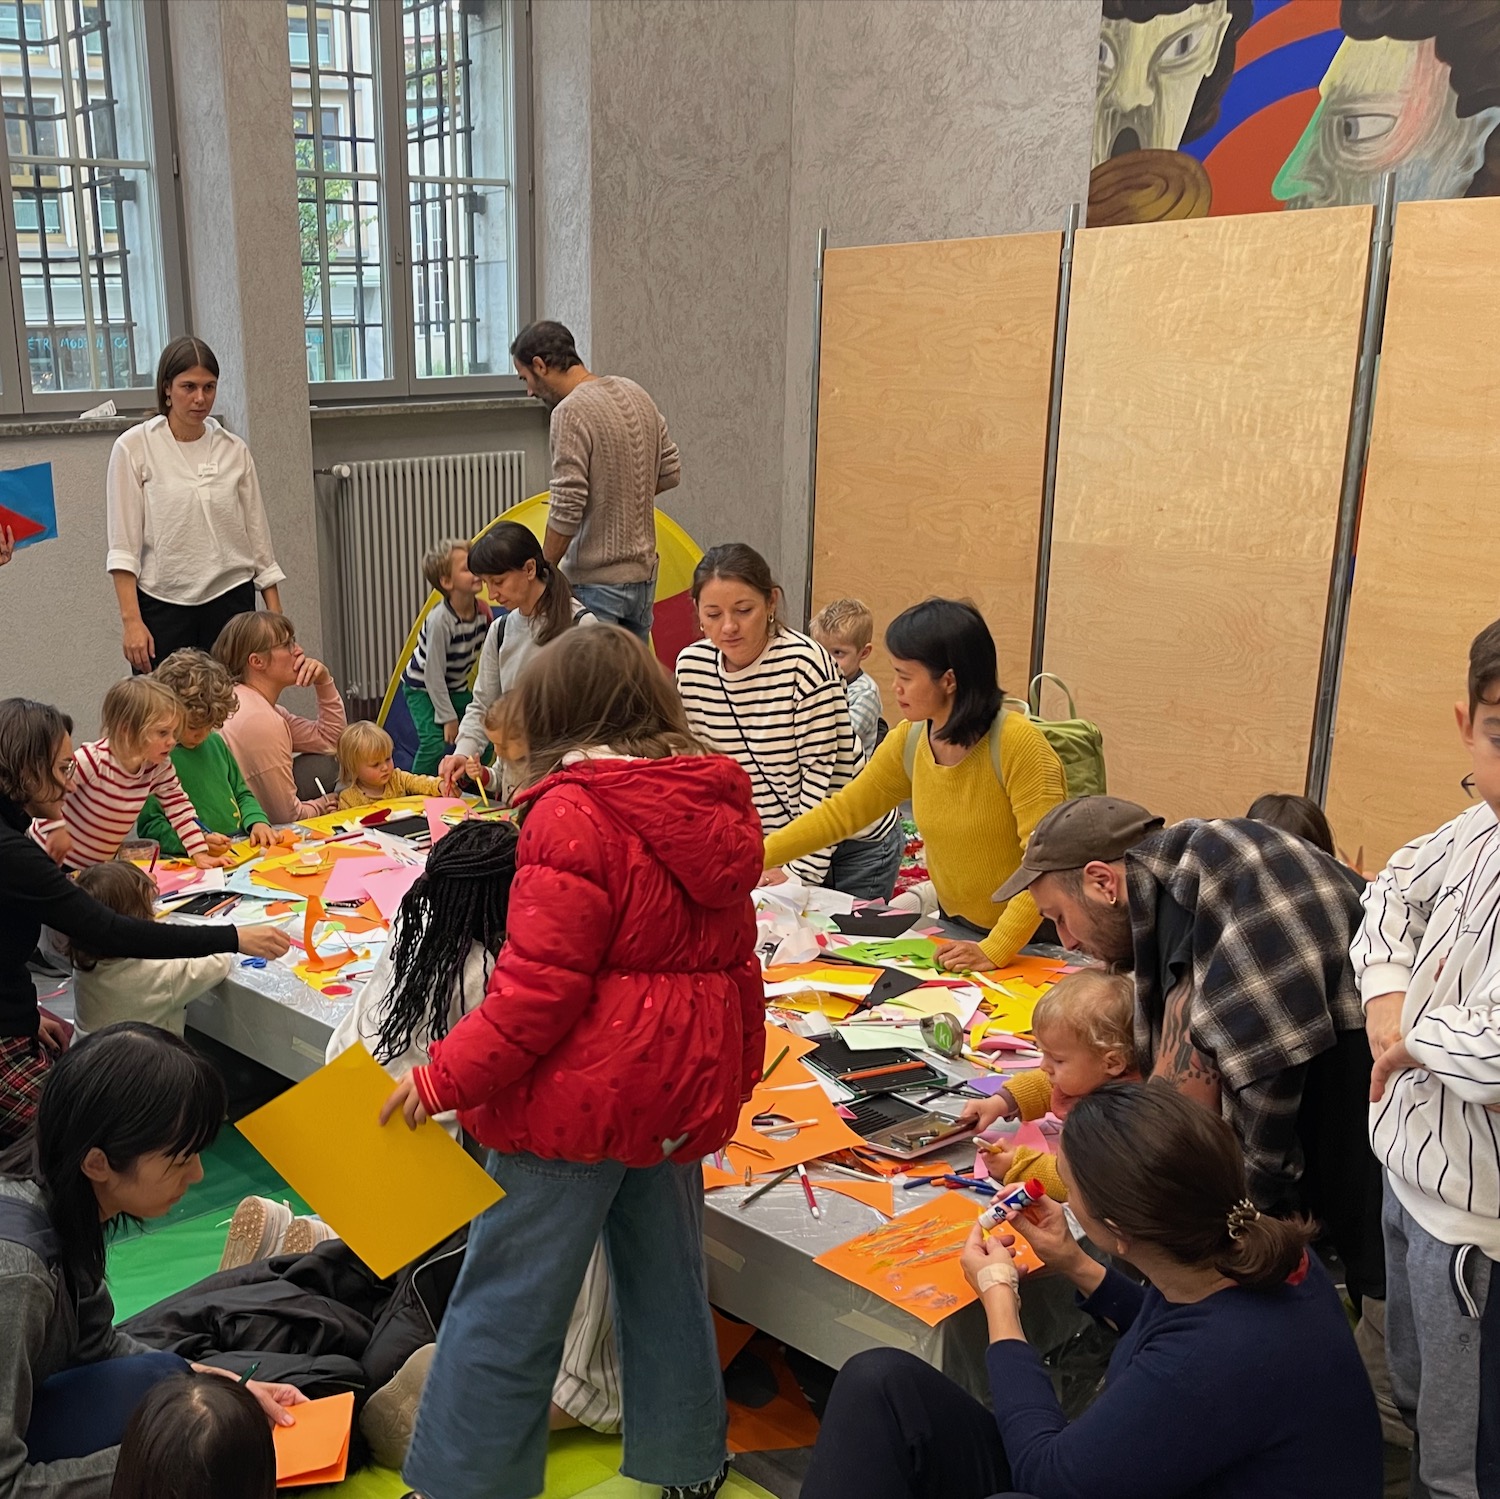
390,1414
255,1231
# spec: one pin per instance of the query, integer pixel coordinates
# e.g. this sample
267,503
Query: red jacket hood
694,812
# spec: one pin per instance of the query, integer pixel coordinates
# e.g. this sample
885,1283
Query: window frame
402,383
17,398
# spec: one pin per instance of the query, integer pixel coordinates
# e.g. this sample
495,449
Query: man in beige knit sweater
611,457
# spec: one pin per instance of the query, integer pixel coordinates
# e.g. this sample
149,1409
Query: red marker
807,1192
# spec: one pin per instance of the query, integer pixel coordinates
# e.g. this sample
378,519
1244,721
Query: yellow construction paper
390,1194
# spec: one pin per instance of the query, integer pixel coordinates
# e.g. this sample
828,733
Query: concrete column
232,74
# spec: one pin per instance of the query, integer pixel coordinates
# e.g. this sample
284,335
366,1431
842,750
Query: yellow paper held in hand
390,1194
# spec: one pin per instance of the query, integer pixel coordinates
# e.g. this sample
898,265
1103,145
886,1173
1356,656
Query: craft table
760,1261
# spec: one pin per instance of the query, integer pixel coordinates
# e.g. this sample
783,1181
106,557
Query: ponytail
1164,1171
556,606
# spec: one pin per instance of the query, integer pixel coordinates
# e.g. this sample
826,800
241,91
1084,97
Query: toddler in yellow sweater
367,773
1085,1030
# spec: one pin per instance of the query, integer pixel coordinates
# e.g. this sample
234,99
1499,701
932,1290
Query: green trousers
431,746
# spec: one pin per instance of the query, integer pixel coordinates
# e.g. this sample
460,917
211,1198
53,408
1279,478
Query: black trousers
181,627
896,1428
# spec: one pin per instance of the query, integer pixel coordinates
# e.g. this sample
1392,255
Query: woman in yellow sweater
979,780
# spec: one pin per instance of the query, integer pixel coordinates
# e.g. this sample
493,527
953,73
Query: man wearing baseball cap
1238,935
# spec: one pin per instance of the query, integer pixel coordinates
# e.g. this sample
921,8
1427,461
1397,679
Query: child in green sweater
203,762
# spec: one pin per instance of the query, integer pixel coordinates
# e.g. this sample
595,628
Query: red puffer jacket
625,1018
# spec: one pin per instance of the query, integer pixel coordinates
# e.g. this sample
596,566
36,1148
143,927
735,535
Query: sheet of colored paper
822,974
435,807
390,1194
919,952
778,1038
346,880
316,1448
879,1037
878,1195
808,1001
1039,972
937,1000
388,888
277,873
912,1261
28,507
714,1177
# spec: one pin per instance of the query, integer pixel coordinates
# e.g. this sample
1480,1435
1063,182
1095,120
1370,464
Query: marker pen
1011,1204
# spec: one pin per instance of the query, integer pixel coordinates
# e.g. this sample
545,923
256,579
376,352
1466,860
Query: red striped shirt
105,799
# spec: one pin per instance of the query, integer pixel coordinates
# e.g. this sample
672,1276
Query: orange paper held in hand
316,1449
912,1261
314,962
389,1193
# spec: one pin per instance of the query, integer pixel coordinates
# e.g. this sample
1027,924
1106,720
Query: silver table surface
760,1260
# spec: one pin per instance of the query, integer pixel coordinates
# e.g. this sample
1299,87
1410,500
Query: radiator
387,514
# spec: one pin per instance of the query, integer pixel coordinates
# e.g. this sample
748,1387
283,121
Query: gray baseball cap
1076,833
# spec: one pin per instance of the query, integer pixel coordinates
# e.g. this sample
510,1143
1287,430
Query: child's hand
981,1114
262,835
474,769
212,861
217,842
998,1160
968,957
450,731
405,1101
59,844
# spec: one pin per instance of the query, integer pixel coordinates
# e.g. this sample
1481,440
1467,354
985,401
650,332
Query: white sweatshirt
156,990
1432,931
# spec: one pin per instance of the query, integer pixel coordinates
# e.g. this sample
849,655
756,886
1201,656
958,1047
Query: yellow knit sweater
1032,1092
401,783
973,825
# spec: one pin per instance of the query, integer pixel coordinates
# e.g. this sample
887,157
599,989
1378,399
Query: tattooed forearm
1178,1061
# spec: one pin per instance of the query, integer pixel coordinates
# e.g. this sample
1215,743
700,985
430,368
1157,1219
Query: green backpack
1078,743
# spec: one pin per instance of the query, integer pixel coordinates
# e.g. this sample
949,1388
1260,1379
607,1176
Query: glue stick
1011,1204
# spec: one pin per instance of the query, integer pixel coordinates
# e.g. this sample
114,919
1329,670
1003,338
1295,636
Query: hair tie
1241,1215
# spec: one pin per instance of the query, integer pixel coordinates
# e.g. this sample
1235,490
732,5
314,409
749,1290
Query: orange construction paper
731,1335
780,1424
1042,972
314,962
912,1261
828,973
714,1178
276,871
793,1093
316,1448
878,1195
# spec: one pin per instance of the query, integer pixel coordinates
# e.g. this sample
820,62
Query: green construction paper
921,952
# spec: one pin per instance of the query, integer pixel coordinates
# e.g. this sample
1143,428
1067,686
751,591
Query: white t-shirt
186,517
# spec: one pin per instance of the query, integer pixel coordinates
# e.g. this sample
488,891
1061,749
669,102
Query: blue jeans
482,1429
85,1409
867,868
630,605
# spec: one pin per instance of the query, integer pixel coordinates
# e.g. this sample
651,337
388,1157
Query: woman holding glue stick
1238,1333
621,1030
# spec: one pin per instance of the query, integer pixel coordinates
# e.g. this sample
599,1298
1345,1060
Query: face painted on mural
1149,75
1386,106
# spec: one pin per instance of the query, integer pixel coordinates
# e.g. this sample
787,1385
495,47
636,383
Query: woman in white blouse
188,539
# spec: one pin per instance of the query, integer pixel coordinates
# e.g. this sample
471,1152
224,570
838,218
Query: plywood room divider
932,427
1427,575
1210,368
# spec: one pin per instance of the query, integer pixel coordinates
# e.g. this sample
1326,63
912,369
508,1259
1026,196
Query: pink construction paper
387,888
435,806
347,879
170,881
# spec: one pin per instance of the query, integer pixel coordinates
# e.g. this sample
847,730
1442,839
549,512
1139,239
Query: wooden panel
1425,582
1210,367
932,430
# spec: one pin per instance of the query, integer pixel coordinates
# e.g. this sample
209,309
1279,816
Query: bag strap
996,729
909,749
914,732
1036,693
29,1225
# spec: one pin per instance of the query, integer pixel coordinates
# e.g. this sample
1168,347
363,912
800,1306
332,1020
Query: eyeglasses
66,769
1468,786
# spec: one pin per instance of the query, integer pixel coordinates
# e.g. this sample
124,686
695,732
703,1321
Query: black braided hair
460,898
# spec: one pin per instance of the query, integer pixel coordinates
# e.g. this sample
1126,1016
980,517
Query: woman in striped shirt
775,701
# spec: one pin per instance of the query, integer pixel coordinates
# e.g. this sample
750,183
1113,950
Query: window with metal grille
94,269
416,243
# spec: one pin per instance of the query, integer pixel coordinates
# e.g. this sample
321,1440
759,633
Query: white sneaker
390,1414
255,1231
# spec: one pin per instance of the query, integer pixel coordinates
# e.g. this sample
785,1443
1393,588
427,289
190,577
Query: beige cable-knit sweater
611,457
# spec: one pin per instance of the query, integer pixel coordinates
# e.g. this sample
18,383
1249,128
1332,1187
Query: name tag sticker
207,470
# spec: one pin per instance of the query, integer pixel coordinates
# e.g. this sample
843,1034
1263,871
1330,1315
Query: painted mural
1208,107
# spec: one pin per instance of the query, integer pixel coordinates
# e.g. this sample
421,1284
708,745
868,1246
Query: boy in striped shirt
1428,963
436,681
114,775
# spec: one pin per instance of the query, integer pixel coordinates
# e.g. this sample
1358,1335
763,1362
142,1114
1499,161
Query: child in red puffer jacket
621,1031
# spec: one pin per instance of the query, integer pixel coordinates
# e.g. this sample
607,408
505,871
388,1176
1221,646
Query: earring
771,622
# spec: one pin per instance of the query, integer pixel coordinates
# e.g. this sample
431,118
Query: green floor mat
580,1465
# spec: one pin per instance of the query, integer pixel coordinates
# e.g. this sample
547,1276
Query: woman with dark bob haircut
122,1121
36,768
979,779
1236,1374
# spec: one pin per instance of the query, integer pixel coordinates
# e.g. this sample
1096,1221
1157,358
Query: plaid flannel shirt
1272,984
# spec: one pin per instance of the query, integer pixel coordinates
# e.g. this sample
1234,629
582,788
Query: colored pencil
849,1077
775,1181
780,1058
